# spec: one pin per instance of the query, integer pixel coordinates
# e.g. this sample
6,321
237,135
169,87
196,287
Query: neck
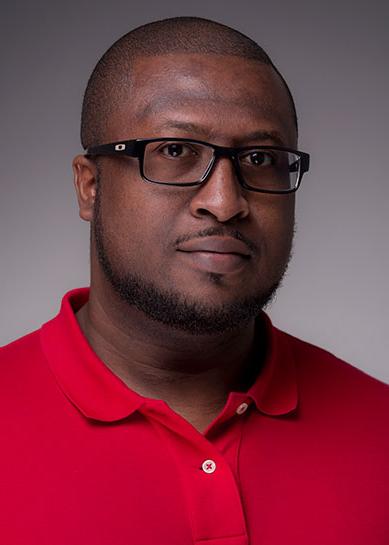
193,374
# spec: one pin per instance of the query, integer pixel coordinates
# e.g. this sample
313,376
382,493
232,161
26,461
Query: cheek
121,210
276,225
137,221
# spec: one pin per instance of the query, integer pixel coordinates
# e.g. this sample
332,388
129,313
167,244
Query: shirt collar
275,389
99,394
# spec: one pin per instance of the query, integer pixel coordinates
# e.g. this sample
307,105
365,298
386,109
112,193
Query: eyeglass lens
187,162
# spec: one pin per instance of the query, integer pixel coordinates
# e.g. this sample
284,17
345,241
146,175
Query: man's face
173,252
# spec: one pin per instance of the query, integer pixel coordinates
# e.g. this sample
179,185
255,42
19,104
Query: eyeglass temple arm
305,159
127,147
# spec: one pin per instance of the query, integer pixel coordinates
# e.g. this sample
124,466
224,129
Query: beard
170,307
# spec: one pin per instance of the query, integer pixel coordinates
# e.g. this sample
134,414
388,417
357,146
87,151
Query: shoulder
20,361
24,346
333,380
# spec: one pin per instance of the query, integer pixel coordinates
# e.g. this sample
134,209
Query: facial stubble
170,307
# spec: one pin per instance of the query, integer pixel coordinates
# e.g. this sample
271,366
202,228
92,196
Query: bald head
111,78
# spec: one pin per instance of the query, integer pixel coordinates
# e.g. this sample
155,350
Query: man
162,407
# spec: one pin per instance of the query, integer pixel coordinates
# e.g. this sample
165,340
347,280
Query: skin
223,100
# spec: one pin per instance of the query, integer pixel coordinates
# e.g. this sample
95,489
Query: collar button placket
213,501
242,408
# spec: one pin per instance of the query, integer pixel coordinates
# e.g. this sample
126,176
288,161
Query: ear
85,178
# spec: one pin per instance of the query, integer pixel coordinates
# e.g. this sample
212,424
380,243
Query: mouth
220,255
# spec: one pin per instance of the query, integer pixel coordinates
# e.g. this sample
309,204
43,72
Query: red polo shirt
300,458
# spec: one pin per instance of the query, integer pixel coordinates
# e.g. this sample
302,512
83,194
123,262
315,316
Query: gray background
335,57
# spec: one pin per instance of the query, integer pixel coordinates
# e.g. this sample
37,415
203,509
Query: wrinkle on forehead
205,131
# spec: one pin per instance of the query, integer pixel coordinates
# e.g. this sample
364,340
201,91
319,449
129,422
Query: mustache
219,232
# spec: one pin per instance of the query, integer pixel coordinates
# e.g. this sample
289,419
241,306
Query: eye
176,149
258,158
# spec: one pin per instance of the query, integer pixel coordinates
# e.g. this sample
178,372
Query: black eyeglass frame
136,148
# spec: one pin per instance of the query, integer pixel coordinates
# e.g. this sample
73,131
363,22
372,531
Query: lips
219,245
220,255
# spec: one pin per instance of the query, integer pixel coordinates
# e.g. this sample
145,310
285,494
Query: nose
221,195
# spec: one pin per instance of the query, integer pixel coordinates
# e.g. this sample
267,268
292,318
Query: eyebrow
257,136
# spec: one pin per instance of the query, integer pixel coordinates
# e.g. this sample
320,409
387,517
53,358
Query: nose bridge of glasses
221,152
222,195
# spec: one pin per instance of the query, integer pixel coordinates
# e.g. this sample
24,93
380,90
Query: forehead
220,96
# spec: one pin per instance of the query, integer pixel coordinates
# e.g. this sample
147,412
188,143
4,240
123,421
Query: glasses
187,162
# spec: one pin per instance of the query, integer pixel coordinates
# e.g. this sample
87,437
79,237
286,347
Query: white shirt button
242,408
209,466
